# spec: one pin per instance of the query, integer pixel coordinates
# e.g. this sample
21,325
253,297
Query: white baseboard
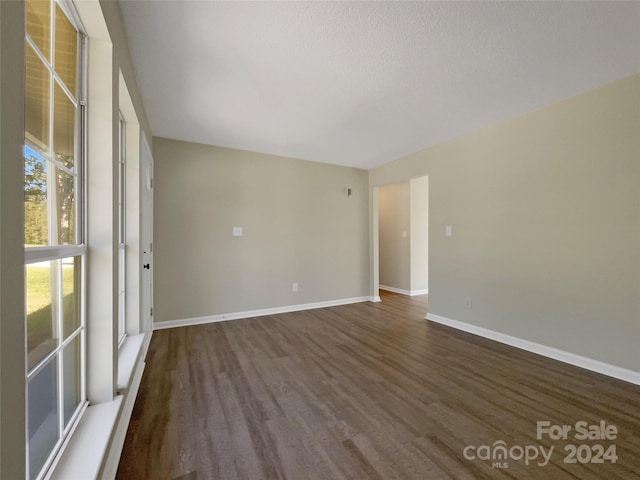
256,313
550,352
375,299
394,290
411,293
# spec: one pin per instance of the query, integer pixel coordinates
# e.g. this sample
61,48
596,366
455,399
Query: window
121,232
54,236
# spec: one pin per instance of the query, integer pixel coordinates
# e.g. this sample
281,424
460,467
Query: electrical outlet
467,303
294,286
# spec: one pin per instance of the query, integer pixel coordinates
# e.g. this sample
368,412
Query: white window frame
60,252
122,283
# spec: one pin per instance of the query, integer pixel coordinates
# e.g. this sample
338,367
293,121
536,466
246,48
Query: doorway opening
402,258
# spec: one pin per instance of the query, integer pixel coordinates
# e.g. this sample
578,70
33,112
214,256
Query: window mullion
36,49
51,192
62,167
51,204
43,254
38,366
61,392
41,364
81,184
58,81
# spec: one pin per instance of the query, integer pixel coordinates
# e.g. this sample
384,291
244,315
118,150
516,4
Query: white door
147,236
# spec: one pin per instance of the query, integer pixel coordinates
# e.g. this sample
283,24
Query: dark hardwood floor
366,391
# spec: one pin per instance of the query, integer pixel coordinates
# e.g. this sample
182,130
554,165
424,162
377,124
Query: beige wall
12,341
545,210
299,226
419,204
394,220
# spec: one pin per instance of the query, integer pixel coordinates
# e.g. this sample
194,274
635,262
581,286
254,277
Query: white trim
145,343
87,447
411,293
70,11
394,290
97,444
53,353
115,449
550,352
69,435
256,313
375,299
130,351
53,252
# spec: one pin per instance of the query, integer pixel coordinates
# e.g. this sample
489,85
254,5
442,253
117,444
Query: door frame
146,266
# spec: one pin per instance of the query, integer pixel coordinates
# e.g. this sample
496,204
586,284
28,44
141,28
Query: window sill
82,457
93,451
133,347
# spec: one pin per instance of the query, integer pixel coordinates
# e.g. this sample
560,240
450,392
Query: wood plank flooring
363,391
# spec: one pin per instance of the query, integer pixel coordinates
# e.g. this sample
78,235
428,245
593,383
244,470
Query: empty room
319,240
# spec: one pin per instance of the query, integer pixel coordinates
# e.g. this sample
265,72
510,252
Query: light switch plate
237,231
449,231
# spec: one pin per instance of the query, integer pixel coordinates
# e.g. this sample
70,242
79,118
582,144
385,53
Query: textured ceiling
364,83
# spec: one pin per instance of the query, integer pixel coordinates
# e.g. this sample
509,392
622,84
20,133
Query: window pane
65,214
70,295
36,216
42,416
71,376
36,108
42,337
39,24
64,128
66,50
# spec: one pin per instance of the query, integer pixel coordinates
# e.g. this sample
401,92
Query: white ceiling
364,83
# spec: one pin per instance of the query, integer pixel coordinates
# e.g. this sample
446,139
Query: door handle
147,266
